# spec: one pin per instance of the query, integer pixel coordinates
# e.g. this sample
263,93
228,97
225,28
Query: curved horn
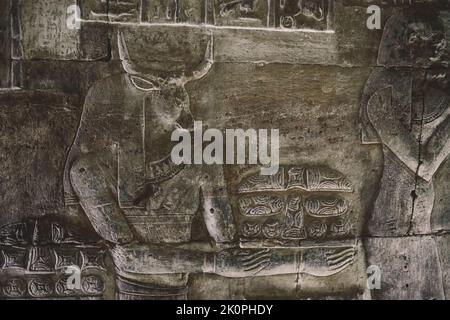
124,55
138,79
205,66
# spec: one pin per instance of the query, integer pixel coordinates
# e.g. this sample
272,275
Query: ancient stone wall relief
140,203
306,209
297,205
405,111
250,63
59,36
5,45
288,14
405,108
35,256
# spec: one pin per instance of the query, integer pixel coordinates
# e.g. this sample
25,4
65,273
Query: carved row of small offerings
40,272
52,285
289,228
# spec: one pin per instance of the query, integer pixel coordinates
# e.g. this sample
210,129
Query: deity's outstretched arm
99,202
231,262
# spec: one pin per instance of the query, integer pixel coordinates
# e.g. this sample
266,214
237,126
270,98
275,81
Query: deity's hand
238,262
323,262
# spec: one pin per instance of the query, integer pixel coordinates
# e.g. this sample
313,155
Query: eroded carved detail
14,288
92,284
35,253
311,14
406,111
40,287
288,14
41,259
326,207
144,206
295,204
14,258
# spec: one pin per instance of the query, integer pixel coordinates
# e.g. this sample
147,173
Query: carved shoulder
379,105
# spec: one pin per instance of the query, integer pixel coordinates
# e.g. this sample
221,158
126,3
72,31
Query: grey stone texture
86,179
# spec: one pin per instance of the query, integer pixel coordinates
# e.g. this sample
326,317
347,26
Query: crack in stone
419,163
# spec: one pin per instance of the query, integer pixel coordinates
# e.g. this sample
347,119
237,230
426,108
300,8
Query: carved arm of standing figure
400,141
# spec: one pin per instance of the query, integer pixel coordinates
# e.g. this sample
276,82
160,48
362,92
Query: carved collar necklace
436,112
162,170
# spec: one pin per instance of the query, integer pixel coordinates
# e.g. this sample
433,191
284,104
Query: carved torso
170,206
405,202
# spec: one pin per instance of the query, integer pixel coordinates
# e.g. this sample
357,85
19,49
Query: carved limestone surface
407,112
293,205
37,259
285,14
59,35
95,93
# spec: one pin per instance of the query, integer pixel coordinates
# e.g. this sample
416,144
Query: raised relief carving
14,258
14,288
296,14
92,284
66,258
61,287
261,205
244,13
406,110
143,205
114,10
40,287
263,183
14,234
295,204
34,255
286,14
314,179
326,207
149,11
93,258
41,259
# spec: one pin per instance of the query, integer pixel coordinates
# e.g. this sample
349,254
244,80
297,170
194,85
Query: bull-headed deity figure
120,173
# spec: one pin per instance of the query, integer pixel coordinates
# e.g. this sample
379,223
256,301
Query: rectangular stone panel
49,30
32,124
286,14
409,267
240,45
5,45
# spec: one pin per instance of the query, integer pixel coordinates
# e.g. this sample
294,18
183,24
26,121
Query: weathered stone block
32,124
410,267
362,181
48,30
5,45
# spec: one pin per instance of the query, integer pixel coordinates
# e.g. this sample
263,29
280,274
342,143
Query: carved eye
145,84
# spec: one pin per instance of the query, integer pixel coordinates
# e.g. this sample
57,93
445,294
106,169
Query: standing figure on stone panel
406,109
119,171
